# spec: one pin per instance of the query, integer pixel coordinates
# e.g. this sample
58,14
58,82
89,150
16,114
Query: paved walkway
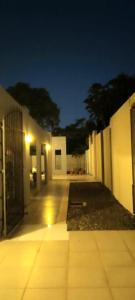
44,261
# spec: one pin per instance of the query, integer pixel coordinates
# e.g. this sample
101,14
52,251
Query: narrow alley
44,261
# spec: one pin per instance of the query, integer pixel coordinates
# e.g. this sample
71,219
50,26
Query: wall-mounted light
28,138
47,146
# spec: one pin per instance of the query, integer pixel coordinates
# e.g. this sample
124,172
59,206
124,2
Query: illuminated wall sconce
47,146
28,138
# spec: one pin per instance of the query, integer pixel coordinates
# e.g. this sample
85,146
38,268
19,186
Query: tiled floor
44,263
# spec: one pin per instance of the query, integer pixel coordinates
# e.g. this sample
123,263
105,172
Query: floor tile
121,276
123,293
45,294
55,259
133,254
18,260
115,259
14,246
31,233
55,246
86,277
19,253
9,294
81,235
109,241
48,277
56,232
89,294
13,277
2,253
84,259
82,241
129,238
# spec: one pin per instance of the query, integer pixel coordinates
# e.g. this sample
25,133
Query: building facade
20,136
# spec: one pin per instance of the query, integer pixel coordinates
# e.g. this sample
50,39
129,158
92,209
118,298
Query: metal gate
13,199
133,151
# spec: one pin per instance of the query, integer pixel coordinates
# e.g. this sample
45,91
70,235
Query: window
32,149
58,159
42,149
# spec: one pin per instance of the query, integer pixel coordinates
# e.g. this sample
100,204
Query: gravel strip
93,207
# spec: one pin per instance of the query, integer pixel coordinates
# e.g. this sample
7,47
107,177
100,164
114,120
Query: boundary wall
110,155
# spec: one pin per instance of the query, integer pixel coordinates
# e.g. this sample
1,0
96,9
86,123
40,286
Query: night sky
66,47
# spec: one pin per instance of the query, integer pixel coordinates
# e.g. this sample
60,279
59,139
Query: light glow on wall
28,138
48,147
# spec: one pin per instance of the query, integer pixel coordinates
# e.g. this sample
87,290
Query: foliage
77,135
38,101
104,100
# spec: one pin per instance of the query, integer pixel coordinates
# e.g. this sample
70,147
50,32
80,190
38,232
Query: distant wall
59,158
74,163
87,161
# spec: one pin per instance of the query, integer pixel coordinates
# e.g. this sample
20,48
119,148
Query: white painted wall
8,104
118,175
59,143
122,177
107,157
98,159
40,136
74,163
87,161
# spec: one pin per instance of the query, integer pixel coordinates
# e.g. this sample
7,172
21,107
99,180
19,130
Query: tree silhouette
104,100
39,103
77,135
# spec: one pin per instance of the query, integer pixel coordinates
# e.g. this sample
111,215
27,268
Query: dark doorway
33,168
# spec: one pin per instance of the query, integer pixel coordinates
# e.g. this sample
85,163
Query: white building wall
76,163
87,161
98,157
40,136
117,150
122,176
107,157
59,143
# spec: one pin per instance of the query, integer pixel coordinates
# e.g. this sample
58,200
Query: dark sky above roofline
66,47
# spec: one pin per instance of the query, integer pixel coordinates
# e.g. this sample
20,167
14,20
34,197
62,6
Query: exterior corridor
43,261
